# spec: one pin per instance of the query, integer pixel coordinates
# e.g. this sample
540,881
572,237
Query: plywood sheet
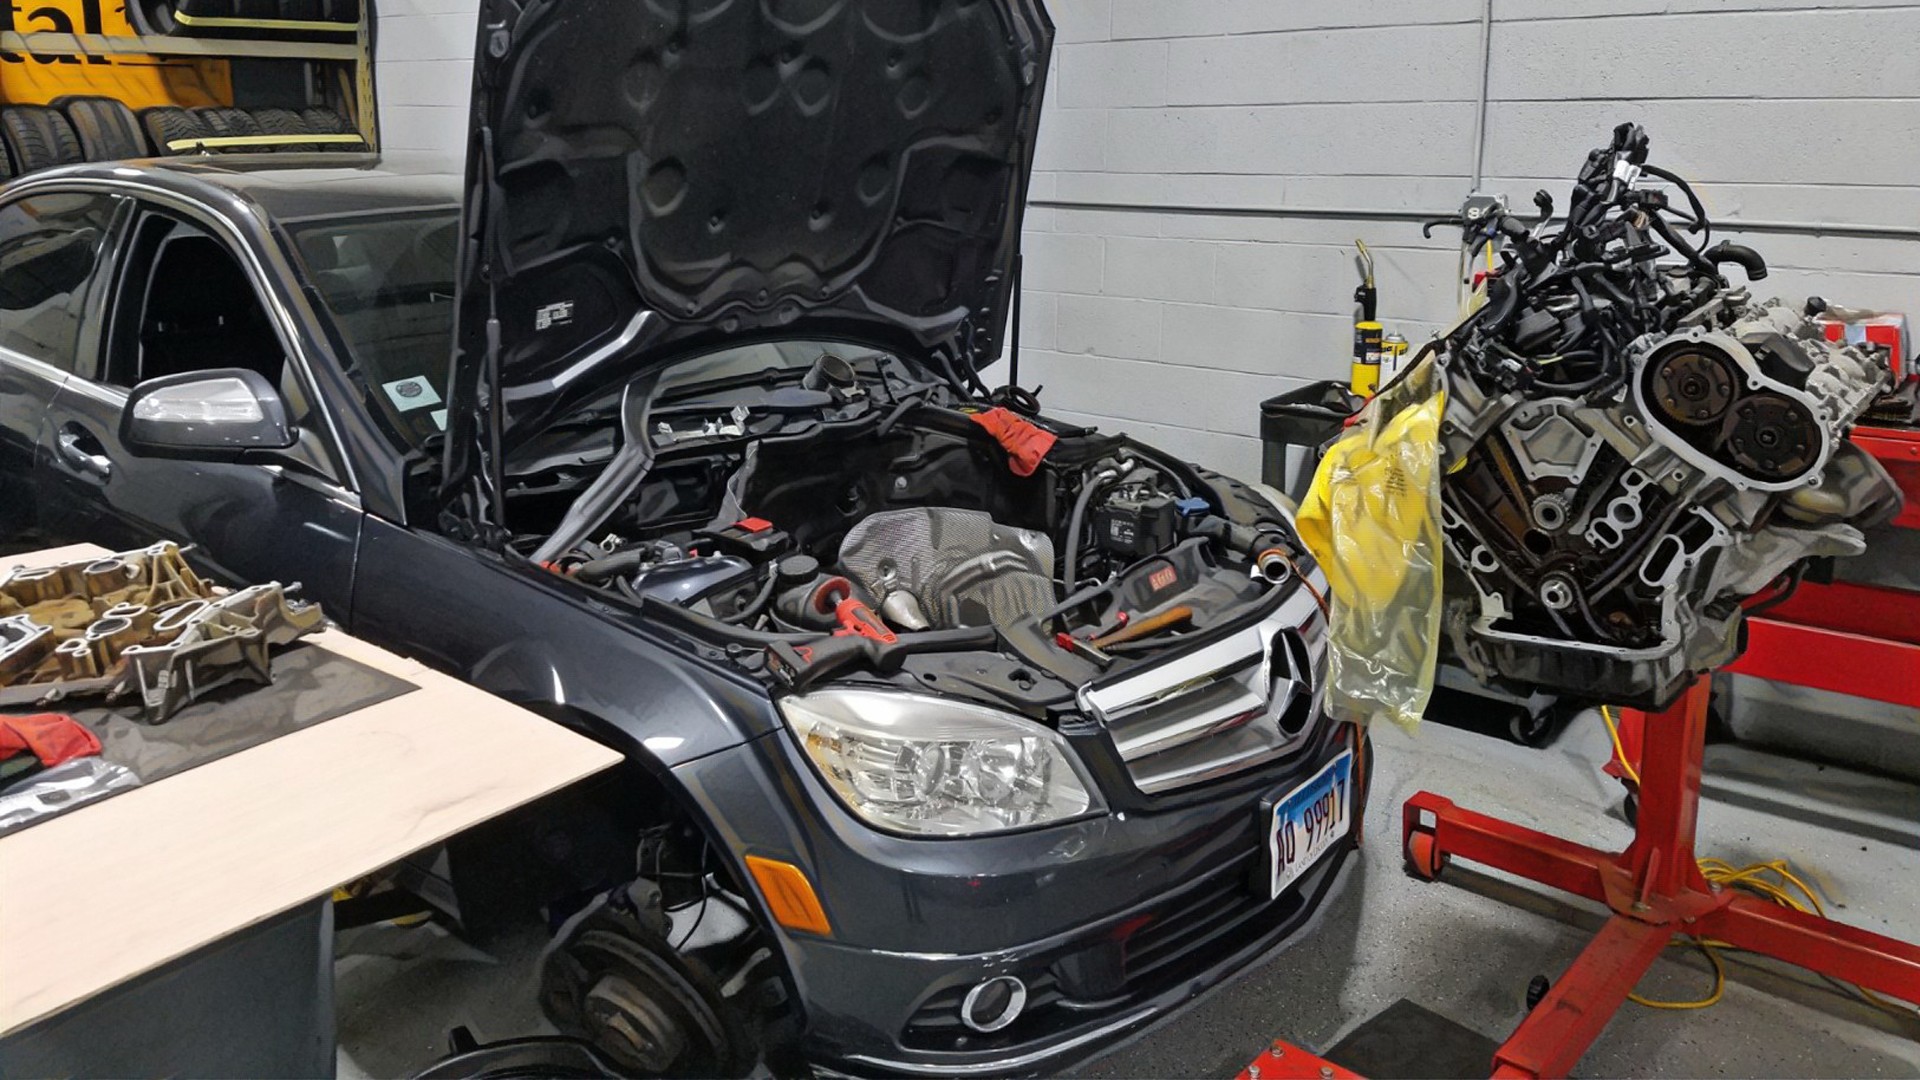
97,896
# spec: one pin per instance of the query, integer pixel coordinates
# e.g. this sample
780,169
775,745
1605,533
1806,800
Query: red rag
52,737
1026,443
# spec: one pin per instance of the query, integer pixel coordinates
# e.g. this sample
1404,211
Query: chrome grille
1219,709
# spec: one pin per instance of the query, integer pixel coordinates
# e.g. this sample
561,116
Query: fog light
994,1004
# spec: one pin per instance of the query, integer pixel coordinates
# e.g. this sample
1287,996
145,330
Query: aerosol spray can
1366,329
1393,357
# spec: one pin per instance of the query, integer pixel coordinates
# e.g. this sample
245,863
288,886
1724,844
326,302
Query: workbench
124,951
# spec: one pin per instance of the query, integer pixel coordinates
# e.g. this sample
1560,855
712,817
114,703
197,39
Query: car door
51,248
184,297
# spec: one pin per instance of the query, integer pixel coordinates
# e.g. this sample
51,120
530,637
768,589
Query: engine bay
866,522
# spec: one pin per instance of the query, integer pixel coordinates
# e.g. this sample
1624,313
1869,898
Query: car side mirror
215,415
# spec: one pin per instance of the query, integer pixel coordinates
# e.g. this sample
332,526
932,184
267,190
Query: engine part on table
139,622
1135,526
960,566
1634,447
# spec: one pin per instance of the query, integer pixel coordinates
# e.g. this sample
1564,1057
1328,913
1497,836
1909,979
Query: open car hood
649,177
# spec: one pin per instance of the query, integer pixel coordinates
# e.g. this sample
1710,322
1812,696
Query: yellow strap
218,21
218,142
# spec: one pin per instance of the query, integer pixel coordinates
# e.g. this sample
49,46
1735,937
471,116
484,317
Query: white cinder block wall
1186,250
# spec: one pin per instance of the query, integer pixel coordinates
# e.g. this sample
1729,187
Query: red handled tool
859,620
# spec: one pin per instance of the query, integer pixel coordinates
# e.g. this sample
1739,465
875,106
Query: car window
188,305
387,283
49,249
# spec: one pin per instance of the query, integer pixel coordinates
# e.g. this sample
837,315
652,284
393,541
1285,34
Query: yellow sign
139,81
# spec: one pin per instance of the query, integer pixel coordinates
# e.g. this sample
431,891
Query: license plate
1308,821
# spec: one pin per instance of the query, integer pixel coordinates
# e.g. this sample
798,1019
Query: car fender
536,639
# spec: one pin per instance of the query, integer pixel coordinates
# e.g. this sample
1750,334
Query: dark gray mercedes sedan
959,740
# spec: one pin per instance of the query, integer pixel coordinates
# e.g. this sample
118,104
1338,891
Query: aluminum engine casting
138,622
1634,448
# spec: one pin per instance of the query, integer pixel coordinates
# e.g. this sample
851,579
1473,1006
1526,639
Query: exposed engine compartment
884,531
1635,448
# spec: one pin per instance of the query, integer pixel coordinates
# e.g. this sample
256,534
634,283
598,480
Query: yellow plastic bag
1372,520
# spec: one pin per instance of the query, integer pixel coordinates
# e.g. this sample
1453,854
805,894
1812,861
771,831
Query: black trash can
1294,426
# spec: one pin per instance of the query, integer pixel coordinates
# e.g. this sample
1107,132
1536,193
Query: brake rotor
620,985
1693,387
1771,438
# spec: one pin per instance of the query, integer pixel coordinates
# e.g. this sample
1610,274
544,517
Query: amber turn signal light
790,896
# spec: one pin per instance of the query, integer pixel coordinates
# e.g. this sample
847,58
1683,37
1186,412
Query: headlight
934,767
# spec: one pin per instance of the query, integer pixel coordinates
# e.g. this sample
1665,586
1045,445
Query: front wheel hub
626,1019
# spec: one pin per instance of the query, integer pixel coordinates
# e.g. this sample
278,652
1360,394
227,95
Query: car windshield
387,281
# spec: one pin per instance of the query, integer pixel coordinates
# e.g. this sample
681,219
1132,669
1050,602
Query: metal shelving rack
358,52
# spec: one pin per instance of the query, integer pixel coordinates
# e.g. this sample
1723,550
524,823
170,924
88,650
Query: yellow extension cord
1755,879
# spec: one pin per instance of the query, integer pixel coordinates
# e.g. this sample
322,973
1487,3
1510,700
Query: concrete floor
1465,947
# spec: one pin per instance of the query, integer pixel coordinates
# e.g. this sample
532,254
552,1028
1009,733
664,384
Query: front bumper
1110,922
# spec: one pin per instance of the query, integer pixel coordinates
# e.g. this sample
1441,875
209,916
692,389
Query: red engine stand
1285,1061
1655,891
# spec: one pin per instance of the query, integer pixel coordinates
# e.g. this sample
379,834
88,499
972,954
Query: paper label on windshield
552,315
439,418
410,394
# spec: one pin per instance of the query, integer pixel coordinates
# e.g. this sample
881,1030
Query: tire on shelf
39,137
324,121
285,122
167,124
153,18
106,128
229,124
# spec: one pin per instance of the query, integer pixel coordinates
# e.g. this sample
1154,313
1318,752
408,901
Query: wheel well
550,857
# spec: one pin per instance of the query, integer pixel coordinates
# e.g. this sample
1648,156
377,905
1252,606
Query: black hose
755,605
618,564
1793,586
1686,250
1740,255
1070,564
1701,221
908,401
